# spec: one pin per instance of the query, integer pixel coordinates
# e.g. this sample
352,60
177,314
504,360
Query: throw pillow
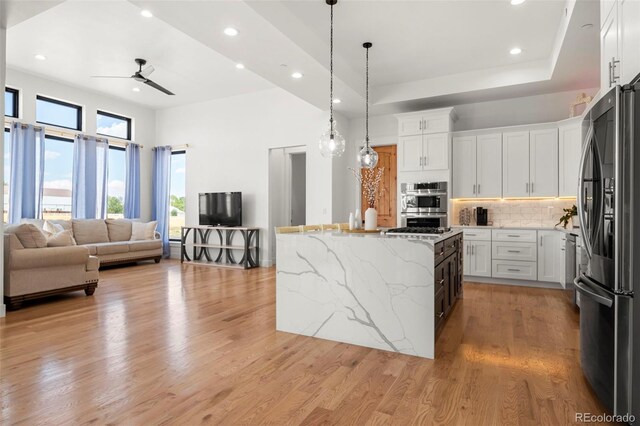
143,231
52,228
30,235
61,239
119,229
90,231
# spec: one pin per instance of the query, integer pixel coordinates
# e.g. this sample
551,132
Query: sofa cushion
111,248
119,229
65,224
87,231
29,235
37,222
61,239
143,231
145,245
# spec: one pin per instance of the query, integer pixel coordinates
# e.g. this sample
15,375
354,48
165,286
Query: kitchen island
375,290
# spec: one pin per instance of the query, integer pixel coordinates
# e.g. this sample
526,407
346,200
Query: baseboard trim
3,310
519,283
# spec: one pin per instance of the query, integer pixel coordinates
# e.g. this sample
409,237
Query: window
115,184
113,125
58,170
58,113
177,194
7,172
11,102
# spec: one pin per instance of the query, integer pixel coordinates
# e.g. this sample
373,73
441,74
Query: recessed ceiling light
517,2
230,31
296,75
515,51
146,13
336,101
240,66
136,89
40,57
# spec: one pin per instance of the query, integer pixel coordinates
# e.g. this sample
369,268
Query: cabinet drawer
515,235
475,234
514,269
501,250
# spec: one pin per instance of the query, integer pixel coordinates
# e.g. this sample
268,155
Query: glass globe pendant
331,142
367,157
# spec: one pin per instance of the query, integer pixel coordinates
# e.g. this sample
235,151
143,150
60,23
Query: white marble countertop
430,239
574,231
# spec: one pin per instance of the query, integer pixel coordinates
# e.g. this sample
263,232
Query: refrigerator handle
581,215
585,286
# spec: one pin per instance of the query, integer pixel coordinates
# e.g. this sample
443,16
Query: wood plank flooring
186,345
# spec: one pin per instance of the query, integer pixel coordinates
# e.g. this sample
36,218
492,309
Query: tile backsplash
516,213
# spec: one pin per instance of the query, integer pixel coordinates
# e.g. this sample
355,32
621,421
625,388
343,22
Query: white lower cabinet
514,251
549,253
477,258
514,269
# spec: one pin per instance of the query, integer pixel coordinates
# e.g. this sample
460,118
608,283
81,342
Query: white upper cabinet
435,149
464,167
477,166
515,164
489,170
410,125
543,166
569,144
410,150
609,53
629,37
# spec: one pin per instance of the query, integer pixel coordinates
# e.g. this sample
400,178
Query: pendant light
367,157
331,142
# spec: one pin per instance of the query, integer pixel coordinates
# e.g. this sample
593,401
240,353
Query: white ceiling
85,38
425,53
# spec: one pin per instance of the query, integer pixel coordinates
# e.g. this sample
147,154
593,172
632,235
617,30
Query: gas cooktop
414,230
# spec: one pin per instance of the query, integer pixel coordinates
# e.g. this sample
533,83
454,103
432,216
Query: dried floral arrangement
369,180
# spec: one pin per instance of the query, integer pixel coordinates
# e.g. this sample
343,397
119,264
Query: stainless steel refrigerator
609,213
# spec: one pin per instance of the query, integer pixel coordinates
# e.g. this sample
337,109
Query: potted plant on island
369,180
568,217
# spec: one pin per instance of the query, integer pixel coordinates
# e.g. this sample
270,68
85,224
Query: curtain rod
54,131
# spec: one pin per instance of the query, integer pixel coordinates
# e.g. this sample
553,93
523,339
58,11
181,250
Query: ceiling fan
141,76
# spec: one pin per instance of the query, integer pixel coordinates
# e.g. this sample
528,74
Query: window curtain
161,179
132,182
27,172
89,189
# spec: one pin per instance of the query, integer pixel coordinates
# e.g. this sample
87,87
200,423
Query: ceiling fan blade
157,86
147,71
109,76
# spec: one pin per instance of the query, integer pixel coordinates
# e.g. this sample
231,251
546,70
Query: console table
199,245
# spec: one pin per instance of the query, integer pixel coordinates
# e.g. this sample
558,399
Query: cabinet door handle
513,236
614,77
513,270
472,249
532,190
541,241
527,190
424,124
478,188
441,314
513,251
441,281
468,249
474,188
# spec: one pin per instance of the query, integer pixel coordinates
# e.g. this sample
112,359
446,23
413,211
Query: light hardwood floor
173,344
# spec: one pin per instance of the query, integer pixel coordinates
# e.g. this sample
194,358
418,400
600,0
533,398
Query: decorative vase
357,220
370,219
352,222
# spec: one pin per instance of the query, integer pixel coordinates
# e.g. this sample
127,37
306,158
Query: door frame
289,152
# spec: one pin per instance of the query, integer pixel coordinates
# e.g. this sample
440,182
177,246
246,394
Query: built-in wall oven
424,204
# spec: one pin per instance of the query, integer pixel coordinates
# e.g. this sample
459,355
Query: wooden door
387,205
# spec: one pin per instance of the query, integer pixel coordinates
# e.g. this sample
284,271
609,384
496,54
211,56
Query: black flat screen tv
221,209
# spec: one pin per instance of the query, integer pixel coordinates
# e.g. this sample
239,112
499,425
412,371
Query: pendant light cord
366,125
331,72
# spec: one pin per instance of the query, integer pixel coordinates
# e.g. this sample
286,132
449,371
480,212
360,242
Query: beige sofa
31,273
110,240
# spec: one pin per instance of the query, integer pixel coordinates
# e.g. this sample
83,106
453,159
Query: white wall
143,118
229,141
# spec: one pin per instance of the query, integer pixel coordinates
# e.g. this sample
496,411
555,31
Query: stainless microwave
424,198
